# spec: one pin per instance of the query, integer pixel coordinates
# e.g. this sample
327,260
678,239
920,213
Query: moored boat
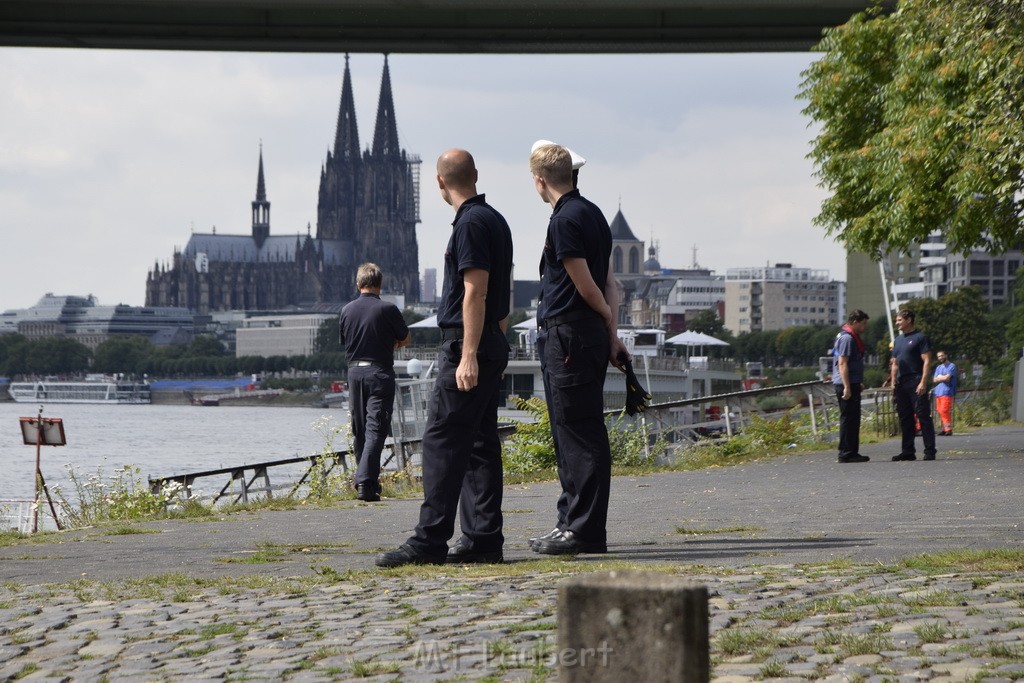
99,390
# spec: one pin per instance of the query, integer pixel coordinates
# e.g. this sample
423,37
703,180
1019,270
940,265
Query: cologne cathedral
368,209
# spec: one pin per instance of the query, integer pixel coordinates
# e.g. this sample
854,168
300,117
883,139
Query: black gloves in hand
636,396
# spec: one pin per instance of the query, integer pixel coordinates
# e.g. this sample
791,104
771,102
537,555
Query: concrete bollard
632,626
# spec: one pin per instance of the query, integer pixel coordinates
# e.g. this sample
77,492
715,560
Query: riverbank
816,570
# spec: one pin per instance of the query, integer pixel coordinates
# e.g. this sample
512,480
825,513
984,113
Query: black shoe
536,540
929,457
904,456
946,432
854,458
368,492
567,543
460,553
406,554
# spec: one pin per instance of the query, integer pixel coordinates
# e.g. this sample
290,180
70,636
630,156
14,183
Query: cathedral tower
260,208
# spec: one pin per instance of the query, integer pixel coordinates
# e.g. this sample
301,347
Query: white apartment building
279,335
772,298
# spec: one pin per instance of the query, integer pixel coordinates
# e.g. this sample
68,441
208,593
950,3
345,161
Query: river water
161,440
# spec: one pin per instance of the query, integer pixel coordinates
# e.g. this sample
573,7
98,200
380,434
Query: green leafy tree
13,351
328,336
707,322
960,324
1015,326
57,356
206,345
919,113
123,354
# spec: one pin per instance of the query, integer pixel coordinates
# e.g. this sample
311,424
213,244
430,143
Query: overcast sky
110,159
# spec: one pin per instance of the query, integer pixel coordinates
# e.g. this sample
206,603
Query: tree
206,345
57,356
123,354
1015,328
707,322
960,324
920,126
328,336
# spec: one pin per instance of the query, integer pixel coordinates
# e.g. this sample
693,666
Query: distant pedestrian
848,379
371,330
909,370
577,319
462,467
945,379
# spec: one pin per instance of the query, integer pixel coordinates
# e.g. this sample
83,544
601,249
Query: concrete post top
632,579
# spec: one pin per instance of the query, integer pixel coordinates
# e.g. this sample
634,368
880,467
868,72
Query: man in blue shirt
848,379
945,391
371,330
461,448
909,372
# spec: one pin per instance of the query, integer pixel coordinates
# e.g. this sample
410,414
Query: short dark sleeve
472,245
568,239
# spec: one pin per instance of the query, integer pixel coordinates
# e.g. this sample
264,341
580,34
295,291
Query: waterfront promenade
801,555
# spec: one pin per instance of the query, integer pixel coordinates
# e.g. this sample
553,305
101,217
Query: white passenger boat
104,390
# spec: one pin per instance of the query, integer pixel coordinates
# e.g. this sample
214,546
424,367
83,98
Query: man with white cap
578,336
578,162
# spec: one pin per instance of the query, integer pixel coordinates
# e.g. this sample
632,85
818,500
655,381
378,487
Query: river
161,440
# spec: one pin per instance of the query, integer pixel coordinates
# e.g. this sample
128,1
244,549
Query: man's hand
922,388
468,373
847,392
618,353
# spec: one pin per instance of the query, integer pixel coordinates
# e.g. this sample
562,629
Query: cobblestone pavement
801,557
780,622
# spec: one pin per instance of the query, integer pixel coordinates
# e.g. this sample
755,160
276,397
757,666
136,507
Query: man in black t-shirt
461,448
578,336
909,374
371,330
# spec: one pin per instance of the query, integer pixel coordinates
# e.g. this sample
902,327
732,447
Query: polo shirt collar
571,194
477,199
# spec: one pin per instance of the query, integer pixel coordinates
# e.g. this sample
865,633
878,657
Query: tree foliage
920,125
960,324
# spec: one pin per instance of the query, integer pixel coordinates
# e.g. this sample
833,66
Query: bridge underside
425,26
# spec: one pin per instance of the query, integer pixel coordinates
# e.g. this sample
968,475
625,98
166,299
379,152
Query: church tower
340,175
260,208
387,226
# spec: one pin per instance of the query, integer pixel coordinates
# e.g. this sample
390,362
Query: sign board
52,431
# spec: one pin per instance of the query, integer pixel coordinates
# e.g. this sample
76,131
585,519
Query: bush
125,497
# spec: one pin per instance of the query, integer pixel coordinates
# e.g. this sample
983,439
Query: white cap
577,160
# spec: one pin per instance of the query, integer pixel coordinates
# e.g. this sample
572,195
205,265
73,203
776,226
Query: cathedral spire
261,185
346,139
260,207
385,133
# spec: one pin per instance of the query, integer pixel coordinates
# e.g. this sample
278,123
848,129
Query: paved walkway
148,607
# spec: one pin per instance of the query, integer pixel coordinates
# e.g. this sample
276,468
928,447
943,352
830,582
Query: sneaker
904,456
854,458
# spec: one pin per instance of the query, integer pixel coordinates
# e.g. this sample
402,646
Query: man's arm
843,363
922,387
580,275
473,306
403,342
611,297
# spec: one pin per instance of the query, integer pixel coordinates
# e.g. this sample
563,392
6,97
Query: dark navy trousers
849,421
462,453
908,406
574,360
371,396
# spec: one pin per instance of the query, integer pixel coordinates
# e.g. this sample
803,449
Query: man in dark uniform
461,448
848,380
909,374
577,319
371,330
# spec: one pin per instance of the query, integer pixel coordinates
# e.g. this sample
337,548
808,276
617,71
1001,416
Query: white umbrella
528,324
426,322
690,338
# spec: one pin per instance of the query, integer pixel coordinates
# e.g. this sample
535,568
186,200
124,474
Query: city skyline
113,158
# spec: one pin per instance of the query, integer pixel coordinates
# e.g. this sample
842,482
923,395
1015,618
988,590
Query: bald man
461,449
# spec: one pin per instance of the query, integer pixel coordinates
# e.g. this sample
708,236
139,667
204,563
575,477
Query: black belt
571,317
459,332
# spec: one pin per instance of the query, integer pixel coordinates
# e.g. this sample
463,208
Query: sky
109,160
